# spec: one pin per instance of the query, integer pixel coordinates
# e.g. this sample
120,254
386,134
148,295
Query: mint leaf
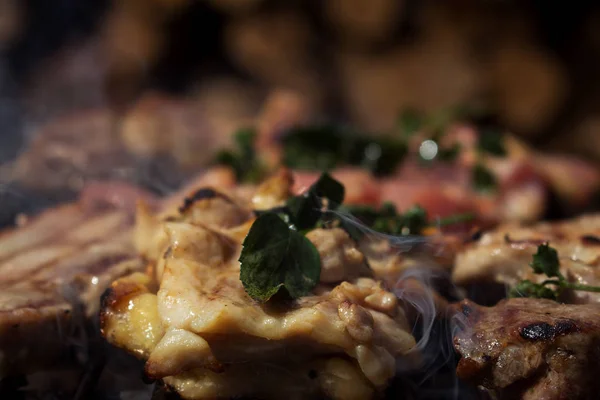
306,209
275,257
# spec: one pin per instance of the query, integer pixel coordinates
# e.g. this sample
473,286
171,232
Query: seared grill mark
45,228
52,263
35,306
537,331
105,262
106,298
537,345
523,242
466,310
544,331
590,240
201,194
81,250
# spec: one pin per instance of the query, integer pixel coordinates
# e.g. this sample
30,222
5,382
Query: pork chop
53,268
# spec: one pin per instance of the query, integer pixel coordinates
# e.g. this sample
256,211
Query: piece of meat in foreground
530,348
53,269
206,338
503,255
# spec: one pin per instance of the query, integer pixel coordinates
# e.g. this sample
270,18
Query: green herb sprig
546,262
276,255
388,221
243,160
323,147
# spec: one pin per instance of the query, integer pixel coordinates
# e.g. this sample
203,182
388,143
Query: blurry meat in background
146,91
101,89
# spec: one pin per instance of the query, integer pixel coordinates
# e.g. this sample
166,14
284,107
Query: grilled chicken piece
530,348
503,255
205,337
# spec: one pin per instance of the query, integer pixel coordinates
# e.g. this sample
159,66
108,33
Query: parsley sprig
546,262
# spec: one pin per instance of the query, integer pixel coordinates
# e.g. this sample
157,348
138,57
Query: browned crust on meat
33,338
529,347
116,297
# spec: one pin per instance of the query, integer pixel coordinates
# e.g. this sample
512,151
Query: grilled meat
525,181
186,130
205,337
530,348
67,151
159,133
54,267
503,255
185,133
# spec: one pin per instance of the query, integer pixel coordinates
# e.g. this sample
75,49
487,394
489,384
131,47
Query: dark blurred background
534,63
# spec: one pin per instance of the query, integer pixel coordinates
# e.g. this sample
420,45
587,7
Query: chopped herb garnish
491,141
526,288
323,147
243,160
449,154
275,257
456,219
409,123
388,221
317,147
483,179
546,262
414,220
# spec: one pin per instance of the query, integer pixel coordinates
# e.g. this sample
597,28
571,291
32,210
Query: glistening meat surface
530,348
50,266
503,255
205,337
55,266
